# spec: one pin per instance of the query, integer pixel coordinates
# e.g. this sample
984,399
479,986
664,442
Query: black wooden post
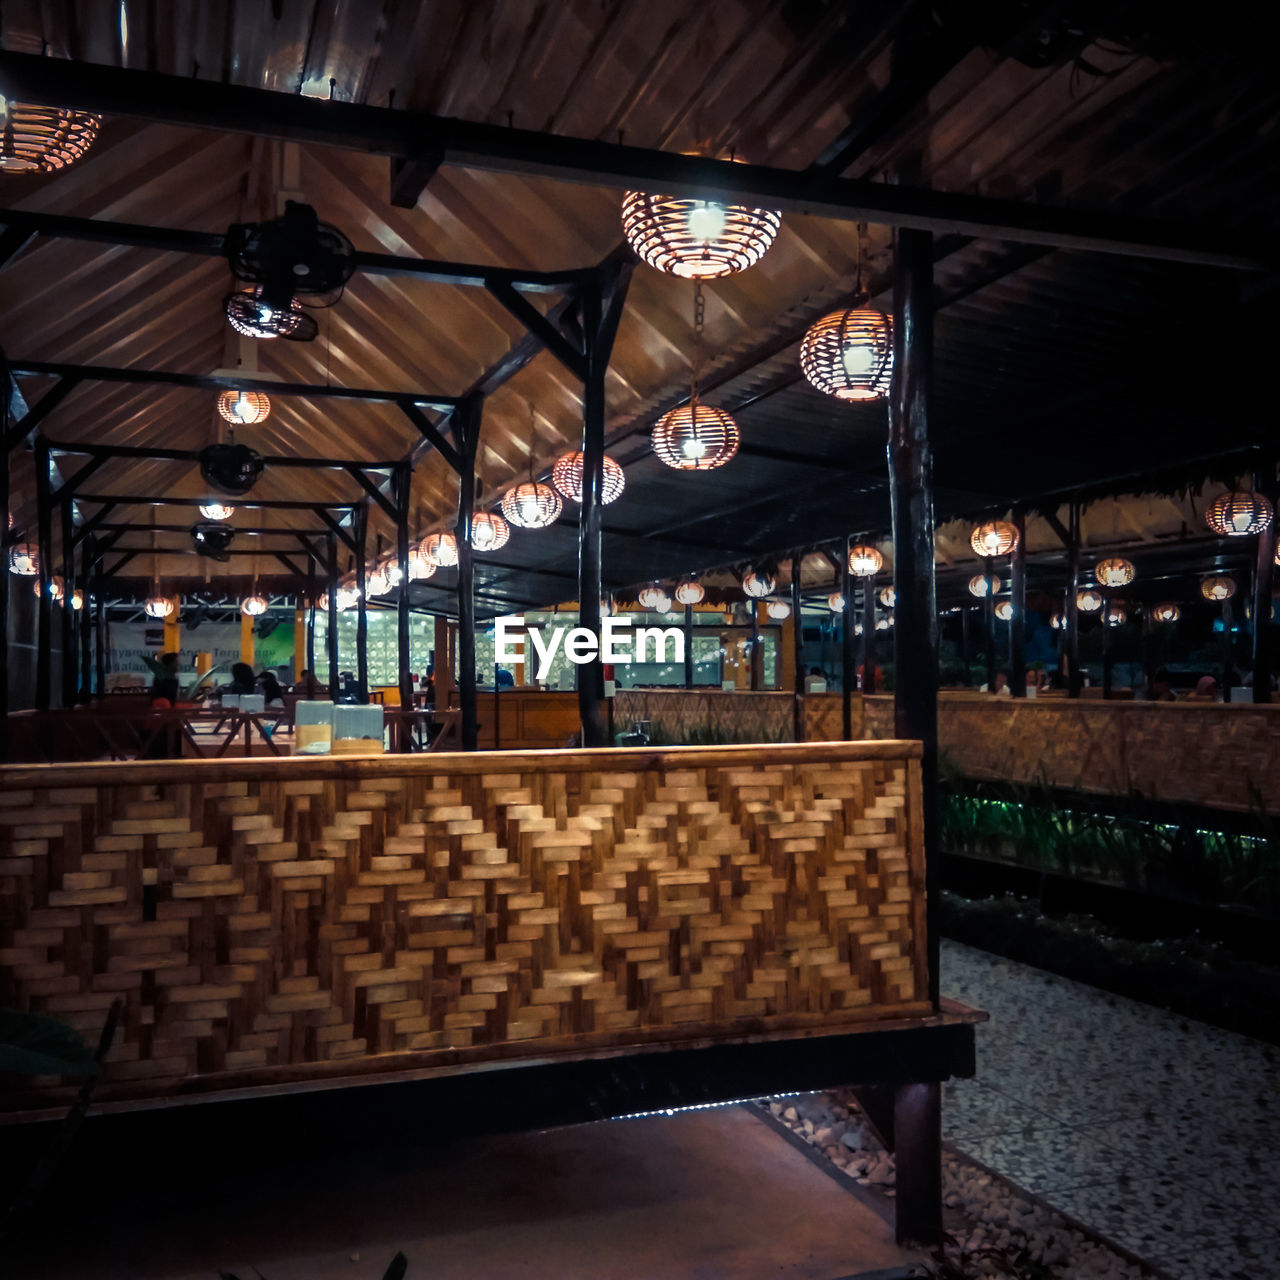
5,400
989,612
466,420
688,646
964,642
590,518
1018,622
331,632
868,635
797,643
1107,668
1227,650
1263,582
848,662
100,623
915,700
757,656
402,484
44,608
360,521
70,650
311,626
86,604
1075,680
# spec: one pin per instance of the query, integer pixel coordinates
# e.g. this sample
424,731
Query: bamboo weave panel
283,922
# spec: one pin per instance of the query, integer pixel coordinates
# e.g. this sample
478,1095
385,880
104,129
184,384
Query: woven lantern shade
532,505
778,610
865,561
55,588
995,538
1115,616
244,408
489,531
883,623
888,596
43,139
566,475
376,583
77,599
348,597
696,437
650,596
758,585
216,511
440,548
1088,600
1238,514
391,567
690,592
1218,587
849,354
1057,622
696,239
1114,573
157,606
835,602
1166,612
1004,610
24,559
421,566
980,585
253,606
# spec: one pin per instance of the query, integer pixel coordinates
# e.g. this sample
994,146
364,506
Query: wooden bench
620,930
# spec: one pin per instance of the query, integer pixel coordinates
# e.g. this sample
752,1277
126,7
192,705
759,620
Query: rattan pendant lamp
156,605
43,139
532,504
696,436
849,353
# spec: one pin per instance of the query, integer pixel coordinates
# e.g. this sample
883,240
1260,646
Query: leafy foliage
1189,859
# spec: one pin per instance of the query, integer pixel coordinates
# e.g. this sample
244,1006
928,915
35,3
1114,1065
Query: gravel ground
983,1211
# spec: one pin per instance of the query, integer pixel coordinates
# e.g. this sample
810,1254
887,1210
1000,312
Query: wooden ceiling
1054,369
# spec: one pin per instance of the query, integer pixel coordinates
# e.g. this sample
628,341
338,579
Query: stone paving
1160,1133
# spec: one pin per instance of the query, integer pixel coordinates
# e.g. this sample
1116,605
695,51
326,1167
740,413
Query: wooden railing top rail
610,759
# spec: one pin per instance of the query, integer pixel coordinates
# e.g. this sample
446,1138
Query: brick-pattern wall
287,919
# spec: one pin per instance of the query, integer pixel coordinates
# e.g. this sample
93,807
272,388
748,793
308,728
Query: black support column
5,537
467,420
44,609
989,618
402,483
688,646
1018,622
590,519
99,622
66,614
86,598
331,631
915,702
848,660
1263,581
360,520
797,643
1071,614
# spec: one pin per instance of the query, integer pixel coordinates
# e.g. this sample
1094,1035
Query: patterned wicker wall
281,919
684,715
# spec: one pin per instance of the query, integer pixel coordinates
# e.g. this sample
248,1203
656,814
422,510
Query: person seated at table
1002,689
272,691
1206,690
1161,687
242,681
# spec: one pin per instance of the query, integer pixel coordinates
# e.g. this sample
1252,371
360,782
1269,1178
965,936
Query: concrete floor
694,1196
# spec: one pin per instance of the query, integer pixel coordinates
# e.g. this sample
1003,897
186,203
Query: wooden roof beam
471,144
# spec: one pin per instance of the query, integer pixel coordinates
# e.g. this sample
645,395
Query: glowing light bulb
693,447
858,360
706,222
